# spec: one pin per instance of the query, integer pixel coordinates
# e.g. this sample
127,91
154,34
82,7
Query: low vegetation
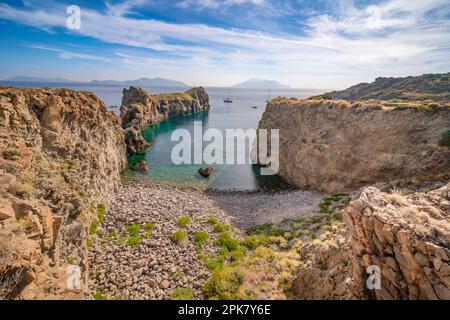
183,294
262,264
445,139
179,236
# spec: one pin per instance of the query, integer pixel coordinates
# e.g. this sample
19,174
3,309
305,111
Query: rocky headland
337,146
140,109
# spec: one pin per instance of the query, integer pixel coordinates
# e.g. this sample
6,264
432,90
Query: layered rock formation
140,109
61,153
407,238
337,146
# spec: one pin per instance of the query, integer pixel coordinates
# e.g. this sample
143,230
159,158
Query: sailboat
228,100
268,98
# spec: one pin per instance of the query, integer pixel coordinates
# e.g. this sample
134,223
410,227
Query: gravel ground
157,266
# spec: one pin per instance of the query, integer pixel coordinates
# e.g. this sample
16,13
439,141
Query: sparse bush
184,221
445,139
228,242
134,229
238,253
200,237
101,212
134,241
99,296
178,236
183,294
251,242
25,190
149,226
224,284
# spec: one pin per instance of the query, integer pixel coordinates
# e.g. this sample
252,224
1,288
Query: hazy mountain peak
258,83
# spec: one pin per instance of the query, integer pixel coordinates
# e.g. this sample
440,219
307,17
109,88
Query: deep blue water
239,114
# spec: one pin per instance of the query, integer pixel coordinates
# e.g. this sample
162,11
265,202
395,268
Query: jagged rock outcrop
338,146
140,109
61,154
407,238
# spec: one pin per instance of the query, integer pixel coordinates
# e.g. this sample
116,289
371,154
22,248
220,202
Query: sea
244,113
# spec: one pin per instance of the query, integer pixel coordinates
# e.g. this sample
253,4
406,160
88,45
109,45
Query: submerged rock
140,166
206,171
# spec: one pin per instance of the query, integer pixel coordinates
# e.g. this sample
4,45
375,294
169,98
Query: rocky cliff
61,153
407,238
140,109
337,146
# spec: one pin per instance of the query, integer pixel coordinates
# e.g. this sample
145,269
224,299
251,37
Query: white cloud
65,54
395,38
215,4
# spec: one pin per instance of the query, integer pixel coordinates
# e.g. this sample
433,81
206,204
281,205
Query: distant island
256,83
155,82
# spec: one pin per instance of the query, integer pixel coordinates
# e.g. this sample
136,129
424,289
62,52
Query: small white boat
228,100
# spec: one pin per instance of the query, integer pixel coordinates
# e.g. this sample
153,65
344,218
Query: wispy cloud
65,54
214,4
352,44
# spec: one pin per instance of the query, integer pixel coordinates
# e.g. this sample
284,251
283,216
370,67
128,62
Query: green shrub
134,241
99,296
183,294
200,237
251,242
220,227
178,236
228,242
238,253
183,221
445,139
149,226
212,221
101,212
177,275
93,227
224,284
134,229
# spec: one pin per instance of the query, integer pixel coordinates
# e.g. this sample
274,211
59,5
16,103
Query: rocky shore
157,266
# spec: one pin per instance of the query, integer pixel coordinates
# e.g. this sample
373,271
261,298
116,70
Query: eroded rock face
407,237
140,109
60,151
325,268
338,146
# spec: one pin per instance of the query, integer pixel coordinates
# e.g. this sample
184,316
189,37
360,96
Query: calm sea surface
239,114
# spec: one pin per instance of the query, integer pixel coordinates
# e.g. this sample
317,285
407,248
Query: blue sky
302,43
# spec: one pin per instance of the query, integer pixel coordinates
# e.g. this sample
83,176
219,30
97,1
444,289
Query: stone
6,209
206,171
140,166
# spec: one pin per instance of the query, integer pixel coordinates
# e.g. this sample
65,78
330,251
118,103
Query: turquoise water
239,114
